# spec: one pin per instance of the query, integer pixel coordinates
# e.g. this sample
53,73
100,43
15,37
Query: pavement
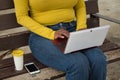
111,8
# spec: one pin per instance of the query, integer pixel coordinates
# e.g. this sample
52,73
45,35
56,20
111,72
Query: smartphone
31,68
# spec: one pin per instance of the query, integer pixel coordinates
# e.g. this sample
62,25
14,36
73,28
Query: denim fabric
89,64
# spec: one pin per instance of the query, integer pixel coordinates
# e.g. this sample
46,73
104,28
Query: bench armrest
107,18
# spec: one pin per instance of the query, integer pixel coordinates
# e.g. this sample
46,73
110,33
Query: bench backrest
19,39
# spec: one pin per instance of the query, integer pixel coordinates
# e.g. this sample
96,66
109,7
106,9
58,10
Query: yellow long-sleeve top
49,12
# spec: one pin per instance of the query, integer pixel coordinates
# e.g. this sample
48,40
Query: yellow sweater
49,12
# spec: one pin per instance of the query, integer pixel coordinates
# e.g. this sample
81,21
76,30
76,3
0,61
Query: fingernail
62,36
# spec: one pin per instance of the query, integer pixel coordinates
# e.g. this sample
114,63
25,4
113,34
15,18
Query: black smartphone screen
31,67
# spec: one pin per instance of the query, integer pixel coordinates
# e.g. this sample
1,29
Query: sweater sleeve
80,12
21,9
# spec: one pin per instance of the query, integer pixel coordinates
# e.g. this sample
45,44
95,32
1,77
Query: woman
45,22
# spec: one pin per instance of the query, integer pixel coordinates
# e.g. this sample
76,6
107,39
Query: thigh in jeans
45,52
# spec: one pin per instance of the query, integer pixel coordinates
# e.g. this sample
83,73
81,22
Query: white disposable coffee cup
18,59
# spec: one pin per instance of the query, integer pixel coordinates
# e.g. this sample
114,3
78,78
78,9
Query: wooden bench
19,38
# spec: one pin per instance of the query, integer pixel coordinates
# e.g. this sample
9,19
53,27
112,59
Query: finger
59,35
64,32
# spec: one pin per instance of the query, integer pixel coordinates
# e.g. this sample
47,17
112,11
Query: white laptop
83,39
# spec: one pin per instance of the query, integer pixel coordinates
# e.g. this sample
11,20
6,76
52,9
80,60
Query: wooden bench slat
6,4
10,19
110,46
107,46
91,5
9,61
7,66
6,63
92,22
114,60
15,41
5,72
22,40
12,23
18,40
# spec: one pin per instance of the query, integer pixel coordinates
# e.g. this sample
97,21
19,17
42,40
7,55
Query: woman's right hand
61,33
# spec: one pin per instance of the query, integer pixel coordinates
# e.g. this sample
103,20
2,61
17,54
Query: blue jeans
89,64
